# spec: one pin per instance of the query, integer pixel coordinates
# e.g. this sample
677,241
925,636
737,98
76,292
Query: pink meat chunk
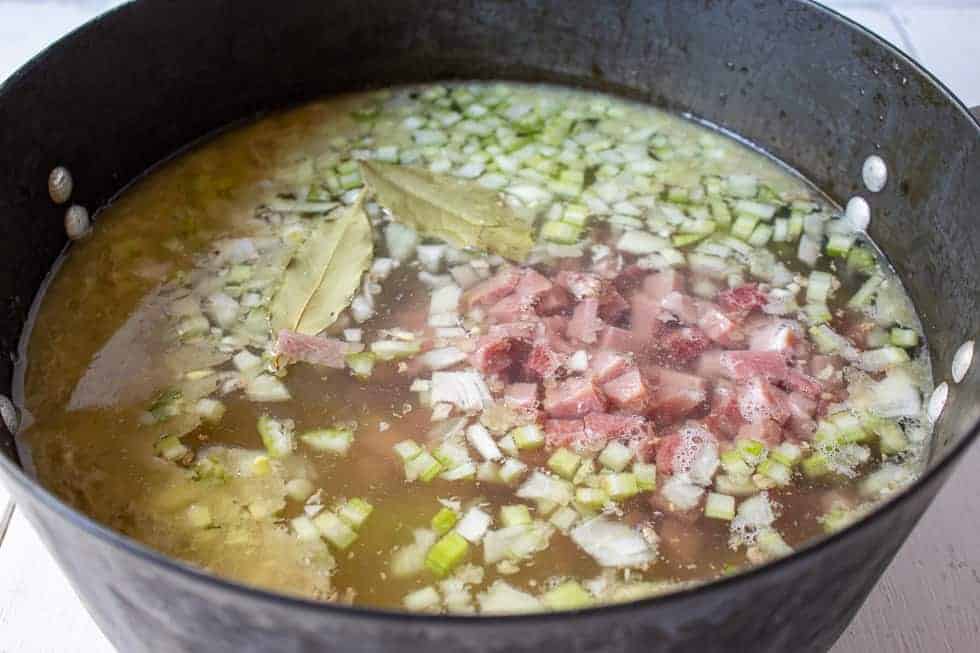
563,432
760,400
614,338
492,290
585,323
645,322
675,394
725,417
554,301
677,451
493,354
532,286
600,428
575,397
775,334
766,431
718,326
543,361
526,330
581,284
607,365
771,365
658,285
612,305
316,350
523,396
681,345
683,307
739,302
512,308
628,391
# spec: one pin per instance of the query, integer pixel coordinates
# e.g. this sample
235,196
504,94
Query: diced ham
771,365
776,334
628,391
543,361
827,370
585,323
614,338
725,417
612,305
316,350
563,432
630,278
802,409
718,326
554,301
760,400
608,267
709,365
681,345
685,308
492,290
512,308
645,323
675,394
740,301
526,330
493,354
677,451
766,431
580,284
532,286
607,365
658,285
523,396
600,428
574,397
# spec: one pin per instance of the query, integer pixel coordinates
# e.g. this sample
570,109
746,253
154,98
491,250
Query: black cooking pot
816,91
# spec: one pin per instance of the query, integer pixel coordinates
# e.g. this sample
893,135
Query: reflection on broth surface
474,348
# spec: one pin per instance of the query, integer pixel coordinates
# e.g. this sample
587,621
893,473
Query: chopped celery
170,448
616,456
210,410
904,337
591,497
333,440
515,514
444,520
876,360
199,516
334,530
683,240
567,596
407,449
743,226
646,476
760,235
817,313
466,471
507,445
866,293
389,350
734,464
819,287
776,471
451,455
276,436
305,529
719,506
838,245
561,232
528,436
752,451
564,463
299,489
361,364
891,437
488,472
720,212
446,554
619,486
849,427
422,467
771,543
815,465
787,454
355,512
564,518
261,466
861,259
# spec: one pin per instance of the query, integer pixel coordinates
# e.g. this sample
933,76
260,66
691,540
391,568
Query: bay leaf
325,272
463,213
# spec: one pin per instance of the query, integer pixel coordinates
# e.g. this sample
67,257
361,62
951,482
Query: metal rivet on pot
76,221
8,412
875,173
60,185
858,213
962,360
937,402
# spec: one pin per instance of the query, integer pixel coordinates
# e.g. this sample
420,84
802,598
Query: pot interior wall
112,100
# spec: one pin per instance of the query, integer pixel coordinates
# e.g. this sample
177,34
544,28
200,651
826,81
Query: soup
474,348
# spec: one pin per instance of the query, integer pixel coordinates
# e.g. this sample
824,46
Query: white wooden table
928,600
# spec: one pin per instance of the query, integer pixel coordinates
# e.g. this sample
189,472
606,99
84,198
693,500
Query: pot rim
194,574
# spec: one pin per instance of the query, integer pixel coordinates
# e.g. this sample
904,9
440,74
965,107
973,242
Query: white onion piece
440,359
466,390
937,402
445,300
474,524
613,544
962,360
